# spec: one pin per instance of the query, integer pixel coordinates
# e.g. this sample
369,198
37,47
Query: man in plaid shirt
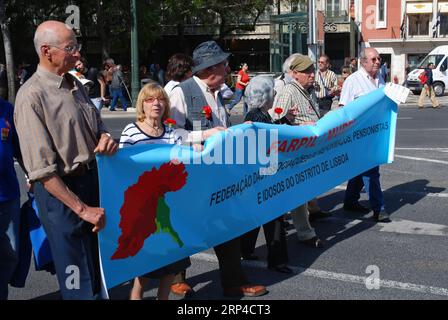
295,95
296,100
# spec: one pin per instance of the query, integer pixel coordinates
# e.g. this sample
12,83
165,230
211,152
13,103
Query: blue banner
166,202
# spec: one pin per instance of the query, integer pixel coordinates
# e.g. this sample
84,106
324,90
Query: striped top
326,82
133,135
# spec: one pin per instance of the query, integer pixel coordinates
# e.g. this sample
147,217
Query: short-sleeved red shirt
244,78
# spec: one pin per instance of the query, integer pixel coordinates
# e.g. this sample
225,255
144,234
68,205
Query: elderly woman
259,97
153,108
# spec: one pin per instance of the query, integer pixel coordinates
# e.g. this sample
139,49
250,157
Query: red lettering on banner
332,133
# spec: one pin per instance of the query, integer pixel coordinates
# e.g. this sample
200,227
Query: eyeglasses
322,62
69,49
152,99
376,59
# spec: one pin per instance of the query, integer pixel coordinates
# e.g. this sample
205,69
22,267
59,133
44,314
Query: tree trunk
222,27
181,36
8,54
101,29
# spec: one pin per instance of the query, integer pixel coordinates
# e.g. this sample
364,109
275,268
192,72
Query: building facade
281,30
403,31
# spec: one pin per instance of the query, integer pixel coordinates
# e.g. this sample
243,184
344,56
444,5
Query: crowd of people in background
62,167
109,85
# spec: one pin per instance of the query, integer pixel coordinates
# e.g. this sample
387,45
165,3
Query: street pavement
409,254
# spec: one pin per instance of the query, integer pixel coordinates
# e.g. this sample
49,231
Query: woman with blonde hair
153,126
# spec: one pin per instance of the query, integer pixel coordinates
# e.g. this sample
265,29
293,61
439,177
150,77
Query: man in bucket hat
188,100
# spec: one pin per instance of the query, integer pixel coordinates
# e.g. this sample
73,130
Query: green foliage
109,21
229,15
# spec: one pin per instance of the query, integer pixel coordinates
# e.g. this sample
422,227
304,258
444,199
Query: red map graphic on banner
144,211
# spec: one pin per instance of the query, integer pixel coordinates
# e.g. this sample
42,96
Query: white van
438,56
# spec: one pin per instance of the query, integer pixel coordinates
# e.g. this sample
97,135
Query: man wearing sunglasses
60,131
362,82
326,86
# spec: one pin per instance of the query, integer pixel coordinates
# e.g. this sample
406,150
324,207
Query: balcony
337,16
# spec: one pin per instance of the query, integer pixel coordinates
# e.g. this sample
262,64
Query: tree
228,16
9,57
237,15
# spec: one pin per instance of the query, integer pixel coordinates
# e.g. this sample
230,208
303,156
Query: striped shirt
133,135
294,95
326,81
359,84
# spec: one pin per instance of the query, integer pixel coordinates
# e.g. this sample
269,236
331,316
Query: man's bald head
51,32
56,46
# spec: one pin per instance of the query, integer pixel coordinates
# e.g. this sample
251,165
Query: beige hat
301,63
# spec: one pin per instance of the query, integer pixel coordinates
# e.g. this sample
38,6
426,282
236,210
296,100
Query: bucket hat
208,54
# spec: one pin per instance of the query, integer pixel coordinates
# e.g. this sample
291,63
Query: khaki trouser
302,224
428,90
313,206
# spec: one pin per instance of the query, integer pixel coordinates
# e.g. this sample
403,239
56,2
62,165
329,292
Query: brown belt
82,169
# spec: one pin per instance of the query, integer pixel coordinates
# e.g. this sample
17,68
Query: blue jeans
239,94
72,242
9,238
371,180
118,94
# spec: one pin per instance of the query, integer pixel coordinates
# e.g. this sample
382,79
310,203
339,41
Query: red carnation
170,122
278,111
207,111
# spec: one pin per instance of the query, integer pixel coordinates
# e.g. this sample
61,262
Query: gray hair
44,35
260,92
288,61
362,54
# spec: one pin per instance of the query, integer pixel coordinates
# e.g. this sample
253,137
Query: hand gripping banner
167,202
